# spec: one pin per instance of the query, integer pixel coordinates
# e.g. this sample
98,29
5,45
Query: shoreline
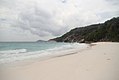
54,55
42,54
98,62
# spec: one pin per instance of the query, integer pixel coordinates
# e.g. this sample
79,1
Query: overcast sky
31,20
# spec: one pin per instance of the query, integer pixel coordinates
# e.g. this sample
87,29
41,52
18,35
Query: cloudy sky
31,20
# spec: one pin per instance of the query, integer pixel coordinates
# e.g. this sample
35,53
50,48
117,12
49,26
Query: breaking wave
9,56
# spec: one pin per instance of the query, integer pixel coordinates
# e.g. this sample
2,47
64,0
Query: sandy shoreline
99,62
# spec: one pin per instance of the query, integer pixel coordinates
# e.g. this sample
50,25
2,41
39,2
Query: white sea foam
14,51
22,54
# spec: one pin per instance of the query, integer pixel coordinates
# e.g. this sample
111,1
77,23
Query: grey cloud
63,1
39,22
114,2
114,10
108,15
2,20
7,3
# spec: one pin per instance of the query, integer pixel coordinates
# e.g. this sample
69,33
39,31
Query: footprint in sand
108,59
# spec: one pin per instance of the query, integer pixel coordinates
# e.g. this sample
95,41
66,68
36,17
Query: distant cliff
108,31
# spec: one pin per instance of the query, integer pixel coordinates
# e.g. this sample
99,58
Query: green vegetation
108,31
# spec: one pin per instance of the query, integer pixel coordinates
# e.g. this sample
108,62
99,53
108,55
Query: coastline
98,62
69,49
23,54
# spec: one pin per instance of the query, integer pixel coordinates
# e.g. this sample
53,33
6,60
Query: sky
32,20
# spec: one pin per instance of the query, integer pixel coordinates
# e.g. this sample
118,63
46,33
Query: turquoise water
18,51
29,46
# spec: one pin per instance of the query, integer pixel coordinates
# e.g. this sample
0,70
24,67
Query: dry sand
99,62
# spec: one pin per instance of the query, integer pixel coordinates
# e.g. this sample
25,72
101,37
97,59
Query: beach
98,62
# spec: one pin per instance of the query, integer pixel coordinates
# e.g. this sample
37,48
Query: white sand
100,62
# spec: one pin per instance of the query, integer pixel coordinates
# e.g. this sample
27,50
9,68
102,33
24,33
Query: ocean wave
14,51
22,54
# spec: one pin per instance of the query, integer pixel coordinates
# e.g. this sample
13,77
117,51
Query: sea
18,51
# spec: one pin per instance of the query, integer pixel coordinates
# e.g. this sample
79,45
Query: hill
107,31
